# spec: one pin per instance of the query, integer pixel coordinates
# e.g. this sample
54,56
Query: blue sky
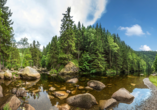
136,14
134,20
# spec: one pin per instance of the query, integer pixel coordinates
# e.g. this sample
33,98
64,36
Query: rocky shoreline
150,103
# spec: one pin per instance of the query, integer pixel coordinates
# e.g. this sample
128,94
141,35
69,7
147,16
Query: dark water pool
41,100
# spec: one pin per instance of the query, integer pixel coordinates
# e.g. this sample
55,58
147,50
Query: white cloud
145,48
134,30
41,19
148,33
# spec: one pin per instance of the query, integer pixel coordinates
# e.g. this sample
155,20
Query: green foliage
53,71
84,62
110,72
6,107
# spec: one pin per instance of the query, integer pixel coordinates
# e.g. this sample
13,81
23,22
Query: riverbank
150,103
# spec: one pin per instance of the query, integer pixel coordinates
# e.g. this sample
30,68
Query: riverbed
42,101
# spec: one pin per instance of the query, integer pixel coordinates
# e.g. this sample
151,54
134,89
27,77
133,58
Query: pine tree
67,38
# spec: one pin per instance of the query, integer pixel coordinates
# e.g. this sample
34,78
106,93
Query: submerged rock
52,89
88,88
14,90
86,100
103,104
61,94
13,103
69,71
96,84
1,91
80,87
74,80
30,73
63,107
21,92
8,75
28,107
123,95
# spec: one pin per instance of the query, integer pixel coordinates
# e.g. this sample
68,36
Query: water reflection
38,90
139,94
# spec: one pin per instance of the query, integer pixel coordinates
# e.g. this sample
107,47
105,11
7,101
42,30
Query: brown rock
61,94
63,88
1,91
63,107
21,92
13,103
28,107
52,89
74,80
88,88
80,87
50,97
69,71
104,104
86,100
14,90
68,91
123,95
96,84
38,90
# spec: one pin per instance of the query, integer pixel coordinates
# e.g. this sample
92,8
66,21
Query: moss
75,61
153,79
6,107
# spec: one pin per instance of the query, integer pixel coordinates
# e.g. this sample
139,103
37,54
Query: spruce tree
67,38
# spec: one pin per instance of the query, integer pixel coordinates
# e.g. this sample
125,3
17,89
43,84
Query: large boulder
86,100
28,107
1,91
30,73
21,92
123,95
69,71
7,74
74,80
106,104
97,85
1,75
12,101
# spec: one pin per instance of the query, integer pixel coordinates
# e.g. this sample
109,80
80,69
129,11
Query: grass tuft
153,79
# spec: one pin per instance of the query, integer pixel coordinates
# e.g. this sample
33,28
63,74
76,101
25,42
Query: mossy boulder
69,71
30,73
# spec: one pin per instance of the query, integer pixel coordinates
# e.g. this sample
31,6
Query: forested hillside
147,55
92,48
